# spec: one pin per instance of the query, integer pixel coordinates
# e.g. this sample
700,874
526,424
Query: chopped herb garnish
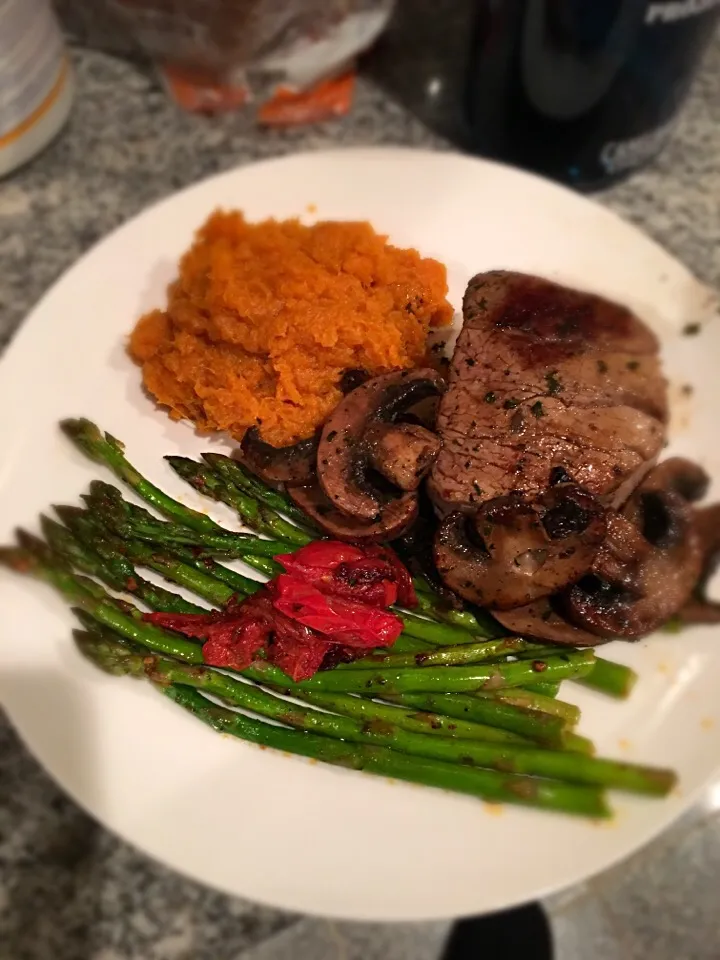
511,403
633,365
478,488
537,410
490,397
553,384
469,361
691,329
602,366
482,304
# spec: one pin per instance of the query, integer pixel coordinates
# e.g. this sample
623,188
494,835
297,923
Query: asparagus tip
213,459
631,678
50,527
17,559
100,488
107,653
33,545
185,468
68,514
89,438
82,432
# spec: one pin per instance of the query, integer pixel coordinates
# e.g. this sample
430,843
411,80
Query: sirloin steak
547,381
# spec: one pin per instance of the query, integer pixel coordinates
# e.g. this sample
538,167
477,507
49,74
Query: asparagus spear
265,565
432,605
93,599
239,583
449,679
529,700
380,730
486,784
609,677
253,513
432,724
220,467
129,521
169,674
466,653
116,571
235,473
105,449
546,689
543,728
606,676
612,678
69,548
407,652
448,634
111,548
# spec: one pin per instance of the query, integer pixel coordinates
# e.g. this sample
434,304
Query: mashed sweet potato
264,318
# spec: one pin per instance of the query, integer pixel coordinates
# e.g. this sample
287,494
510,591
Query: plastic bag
291,59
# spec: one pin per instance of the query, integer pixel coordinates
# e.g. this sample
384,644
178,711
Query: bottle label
678,10
620,155
33,65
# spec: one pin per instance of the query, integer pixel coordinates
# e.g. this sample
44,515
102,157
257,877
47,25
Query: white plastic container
36,85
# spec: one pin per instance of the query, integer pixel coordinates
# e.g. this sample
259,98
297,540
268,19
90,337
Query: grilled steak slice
547,379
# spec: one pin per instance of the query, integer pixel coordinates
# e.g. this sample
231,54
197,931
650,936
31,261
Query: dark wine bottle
583,91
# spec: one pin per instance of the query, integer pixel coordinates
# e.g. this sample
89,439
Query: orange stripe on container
40,110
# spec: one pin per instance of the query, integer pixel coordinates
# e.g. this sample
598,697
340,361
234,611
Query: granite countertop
70,890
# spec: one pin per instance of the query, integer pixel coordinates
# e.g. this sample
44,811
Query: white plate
252,822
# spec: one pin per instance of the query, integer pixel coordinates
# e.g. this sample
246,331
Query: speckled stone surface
71,891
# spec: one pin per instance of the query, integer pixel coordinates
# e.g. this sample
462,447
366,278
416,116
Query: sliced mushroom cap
512,552
699,608
540,619
699,612
646,569
344,455
682,476
394,521
401,452
294,464
352,378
